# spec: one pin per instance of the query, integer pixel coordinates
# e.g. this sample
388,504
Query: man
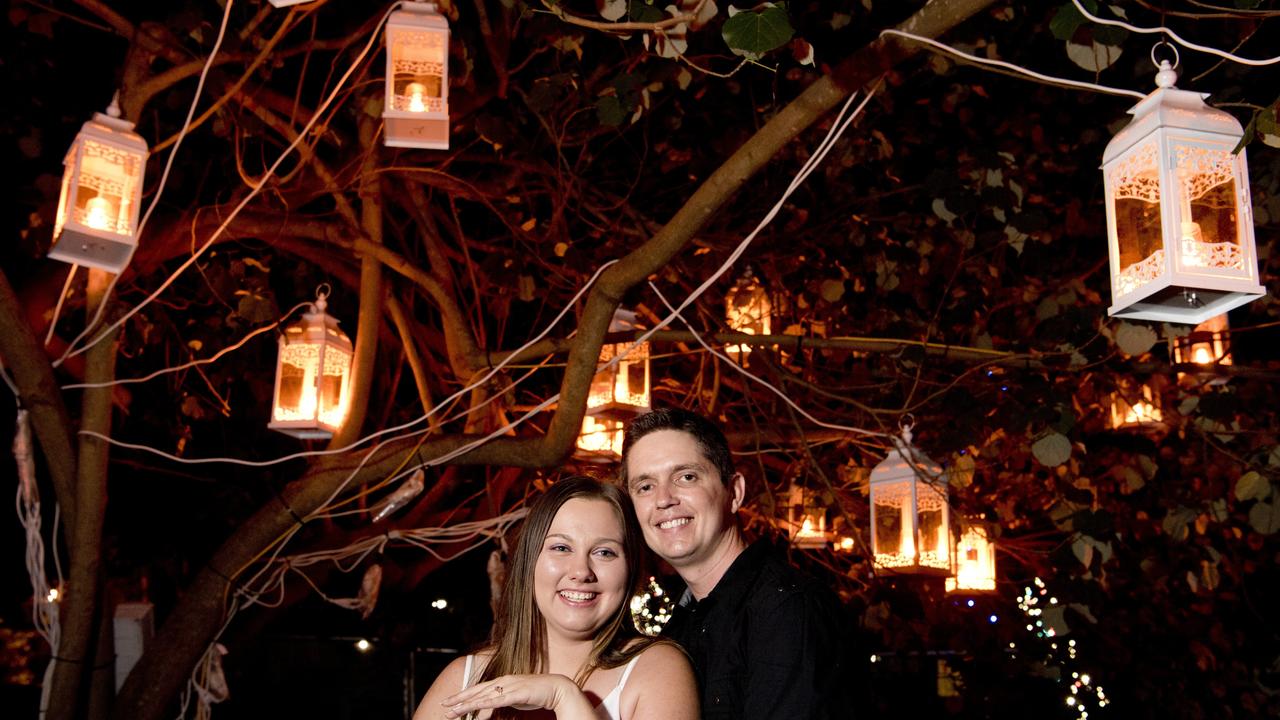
763,637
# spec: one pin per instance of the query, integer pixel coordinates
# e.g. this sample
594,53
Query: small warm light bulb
53,595
363,645
1201,355
846,543
416,93
440,604
98,213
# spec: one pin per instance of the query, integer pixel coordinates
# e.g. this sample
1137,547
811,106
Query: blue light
970,603
992,619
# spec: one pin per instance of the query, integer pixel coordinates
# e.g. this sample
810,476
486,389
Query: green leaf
610,111
1265,518
640,11
1252,486
1052,449
1066,21
753,33
1175,523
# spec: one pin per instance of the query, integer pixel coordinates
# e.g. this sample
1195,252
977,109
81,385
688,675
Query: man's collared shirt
765,643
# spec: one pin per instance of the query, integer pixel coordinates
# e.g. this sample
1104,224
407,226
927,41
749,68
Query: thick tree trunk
160,675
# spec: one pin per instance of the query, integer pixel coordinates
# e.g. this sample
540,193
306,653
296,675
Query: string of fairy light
1083,691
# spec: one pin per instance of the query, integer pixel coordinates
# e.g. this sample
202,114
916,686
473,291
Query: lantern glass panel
806,519
1135,407
624,386
748,310
895,524
1208,344
1135,200
1208,227
418,71
975,563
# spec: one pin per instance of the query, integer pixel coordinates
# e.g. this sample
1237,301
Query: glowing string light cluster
1083,692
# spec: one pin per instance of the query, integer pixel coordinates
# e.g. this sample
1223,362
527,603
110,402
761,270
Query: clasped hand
522,692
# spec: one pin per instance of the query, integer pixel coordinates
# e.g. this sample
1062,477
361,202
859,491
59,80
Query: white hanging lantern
1179,216
1136,406
910,531
975,562
600,440
416,109
747,309
97,220
806,519
312,375
621,390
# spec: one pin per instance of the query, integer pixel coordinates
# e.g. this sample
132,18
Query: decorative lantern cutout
910,530
806,519
1179,216
416,109
600,440
1208,346
312,374
622,389
97,220
975,562
747,309
1136,406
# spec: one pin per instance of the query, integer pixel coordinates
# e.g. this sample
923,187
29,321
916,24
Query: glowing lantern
975,562
747,309
1179,221
311,376
1208,345
910,531
600,440
622,389
97,220
416,110
806,519
1136,407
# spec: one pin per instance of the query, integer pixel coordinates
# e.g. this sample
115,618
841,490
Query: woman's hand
556,693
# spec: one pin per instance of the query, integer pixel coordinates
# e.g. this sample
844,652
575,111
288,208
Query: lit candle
416,91
98,212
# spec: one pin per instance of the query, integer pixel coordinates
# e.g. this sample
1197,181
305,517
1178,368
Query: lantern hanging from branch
621,390
1208,346
416,108
97,220
975,562
1179,216
747,309
312,374
806,519
910,531
1136,406
600,440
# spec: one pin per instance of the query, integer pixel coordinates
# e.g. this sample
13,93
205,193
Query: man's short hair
707,434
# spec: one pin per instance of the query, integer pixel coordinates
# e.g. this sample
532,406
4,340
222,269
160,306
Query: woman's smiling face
581,574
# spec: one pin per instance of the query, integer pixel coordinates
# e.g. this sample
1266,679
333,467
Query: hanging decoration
1179,216
312,373
747,309
1208,346
97,220
1136,406
910,531
621,391
416,109
600,440
975,561
806,519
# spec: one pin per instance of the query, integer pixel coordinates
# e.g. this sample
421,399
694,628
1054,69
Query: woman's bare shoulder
662,685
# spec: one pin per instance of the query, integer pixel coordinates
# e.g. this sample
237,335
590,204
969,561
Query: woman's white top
609,707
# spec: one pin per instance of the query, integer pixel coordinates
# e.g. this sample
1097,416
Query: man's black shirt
766,642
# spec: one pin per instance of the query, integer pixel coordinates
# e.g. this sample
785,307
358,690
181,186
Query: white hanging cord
193,363
1014,68
1174,37
257,187
759,380
398,428
155,199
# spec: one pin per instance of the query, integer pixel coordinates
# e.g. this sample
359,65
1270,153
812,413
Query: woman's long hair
520,632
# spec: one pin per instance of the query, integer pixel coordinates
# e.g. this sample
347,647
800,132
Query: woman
563,638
